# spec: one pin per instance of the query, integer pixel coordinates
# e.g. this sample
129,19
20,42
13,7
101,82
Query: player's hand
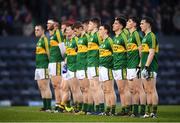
146,73
138,72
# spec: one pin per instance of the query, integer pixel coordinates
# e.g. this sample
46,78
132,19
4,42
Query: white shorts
80,74
70,75
119,74
41,73
104,74
152,75
131,73
92,72
54,69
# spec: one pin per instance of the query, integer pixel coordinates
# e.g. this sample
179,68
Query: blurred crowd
18,17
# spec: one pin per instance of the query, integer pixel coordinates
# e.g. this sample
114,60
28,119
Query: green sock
113,111
154,109
143,109
85,106
108,109
131,107
127,109
135,109
97,108
123,109
80,106
149,108
44,103
90,108
68,104
101,107
48,102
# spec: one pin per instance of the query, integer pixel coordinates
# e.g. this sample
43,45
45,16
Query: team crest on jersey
80,41
117,41
91,39
144,40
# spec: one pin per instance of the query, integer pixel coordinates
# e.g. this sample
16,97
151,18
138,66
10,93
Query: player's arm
151,50
138,41
46,46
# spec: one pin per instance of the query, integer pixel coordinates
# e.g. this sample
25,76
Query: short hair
77,25
122,20
41,25
107,27
135,19
85,21
149,20
97,21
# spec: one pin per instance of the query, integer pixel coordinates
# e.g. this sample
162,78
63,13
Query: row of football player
82,59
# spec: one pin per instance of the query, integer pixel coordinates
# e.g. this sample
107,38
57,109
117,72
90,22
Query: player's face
116,25
144,25
85,27
90,26
78,31
63,27
50,26
69,31
101,31
38,31
130,24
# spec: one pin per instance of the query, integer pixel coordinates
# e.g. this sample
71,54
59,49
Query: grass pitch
32,114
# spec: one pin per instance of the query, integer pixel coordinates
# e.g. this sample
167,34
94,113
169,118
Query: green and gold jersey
126,32
71,48
119,51
105,53
93,50
150,42
133,57
42,52
55,39
82,52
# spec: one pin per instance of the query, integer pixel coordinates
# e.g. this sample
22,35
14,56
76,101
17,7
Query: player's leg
42,77
105,77
142,96
55,72
110,98
152,96
76,91
98,95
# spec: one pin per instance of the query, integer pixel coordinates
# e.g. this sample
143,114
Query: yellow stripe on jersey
137,37
157,49
40,50
104,53
53,43
46,46
99,39
82,48
58,36
145,47
131,47
125,39
153,41
92,46
118,48
111,42
71,51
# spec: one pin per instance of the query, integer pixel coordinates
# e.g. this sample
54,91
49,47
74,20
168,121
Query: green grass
32,114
